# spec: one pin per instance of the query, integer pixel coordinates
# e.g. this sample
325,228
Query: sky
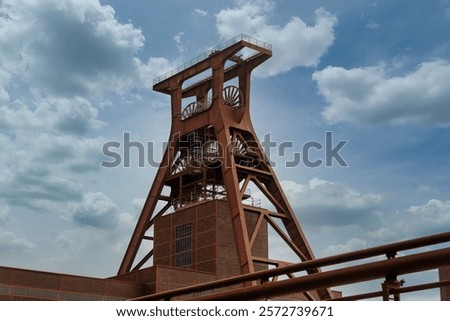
76,74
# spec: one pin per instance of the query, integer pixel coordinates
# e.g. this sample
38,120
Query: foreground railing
389,268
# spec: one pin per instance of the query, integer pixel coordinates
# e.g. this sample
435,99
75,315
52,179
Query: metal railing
404,264
205,55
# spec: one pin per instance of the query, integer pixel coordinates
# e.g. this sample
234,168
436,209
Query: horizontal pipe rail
389,250
363,296
408,289
421,287
360,273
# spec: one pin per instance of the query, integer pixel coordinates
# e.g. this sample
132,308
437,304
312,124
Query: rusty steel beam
421,287
146,215
361,273
387,250
362,296
229,73
165,85
409,289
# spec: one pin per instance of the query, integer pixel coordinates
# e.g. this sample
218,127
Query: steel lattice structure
214,154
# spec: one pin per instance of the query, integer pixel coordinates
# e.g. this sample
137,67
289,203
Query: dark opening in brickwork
183,245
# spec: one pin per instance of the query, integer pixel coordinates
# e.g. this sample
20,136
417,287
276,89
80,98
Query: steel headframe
224,110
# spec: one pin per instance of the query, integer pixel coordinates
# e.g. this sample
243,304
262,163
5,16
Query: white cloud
74,116
435,212
352,244
369,95
38,189
200,12
95,210
372,25
138,203
4,212
44,153
69,154
60,60
10,242
393,226
384,234
325,203
68,47
327,193
295,44
99,250
79,250
414,221
177,37
179,42
4,78
155,67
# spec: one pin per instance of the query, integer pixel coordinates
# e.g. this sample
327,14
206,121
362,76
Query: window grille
183,245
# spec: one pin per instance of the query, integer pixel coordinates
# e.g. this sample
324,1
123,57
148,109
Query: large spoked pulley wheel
232,97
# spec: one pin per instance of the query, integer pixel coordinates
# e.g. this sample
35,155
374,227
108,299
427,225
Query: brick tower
199,218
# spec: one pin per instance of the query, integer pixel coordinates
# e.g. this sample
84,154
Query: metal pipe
368,295
408,289
365,272
387,249
421,287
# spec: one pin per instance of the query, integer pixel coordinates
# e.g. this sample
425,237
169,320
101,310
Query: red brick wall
444,275
214,244
20,284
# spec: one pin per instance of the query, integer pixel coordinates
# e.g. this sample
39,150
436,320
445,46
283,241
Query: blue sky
75,74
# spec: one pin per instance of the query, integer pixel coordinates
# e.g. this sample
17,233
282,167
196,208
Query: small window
183,259
183,245
184,230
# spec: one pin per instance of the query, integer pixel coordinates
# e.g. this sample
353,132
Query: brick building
195,245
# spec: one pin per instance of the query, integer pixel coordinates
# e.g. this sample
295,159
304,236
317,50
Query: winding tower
199,216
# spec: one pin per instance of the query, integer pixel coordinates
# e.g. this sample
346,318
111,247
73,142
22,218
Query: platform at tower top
207,54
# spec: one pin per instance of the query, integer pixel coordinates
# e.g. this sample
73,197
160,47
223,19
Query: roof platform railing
207,54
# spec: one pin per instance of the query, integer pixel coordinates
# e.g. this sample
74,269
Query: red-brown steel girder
365,272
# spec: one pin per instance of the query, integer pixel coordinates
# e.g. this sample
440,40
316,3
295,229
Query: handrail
205,55
389,250
411,263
